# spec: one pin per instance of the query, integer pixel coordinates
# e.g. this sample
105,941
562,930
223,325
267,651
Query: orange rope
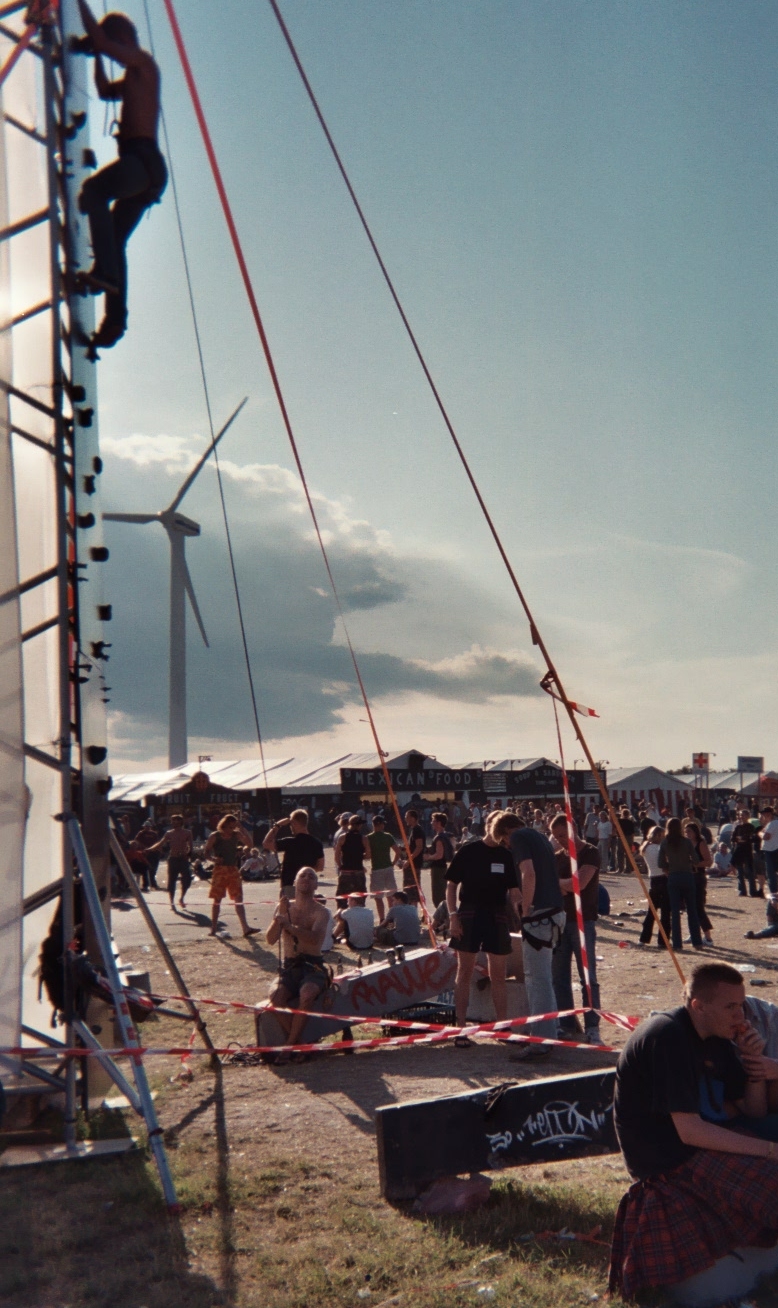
247,282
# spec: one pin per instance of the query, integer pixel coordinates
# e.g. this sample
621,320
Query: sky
576,201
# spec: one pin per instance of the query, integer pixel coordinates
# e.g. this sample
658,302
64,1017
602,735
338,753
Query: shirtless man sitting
301,924
139,176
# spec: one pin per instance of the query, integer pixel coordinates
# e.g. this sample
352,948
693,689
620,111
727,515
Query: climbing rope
207,396
254,306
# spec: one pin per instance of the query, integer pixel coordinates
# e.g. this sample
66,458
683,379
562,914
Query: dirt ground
276,1167
322,1113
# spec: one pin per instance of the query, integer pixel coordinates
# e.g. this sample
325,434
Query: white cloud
631,623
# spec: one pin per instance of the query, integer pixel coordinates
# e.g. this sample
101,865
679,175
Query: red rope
252,299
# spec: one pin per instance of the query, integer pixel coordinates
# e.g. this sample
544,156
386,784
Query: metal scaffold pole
129,1037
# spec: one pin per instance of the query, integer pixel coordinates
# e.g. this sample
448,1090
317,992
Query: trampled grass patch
267,1225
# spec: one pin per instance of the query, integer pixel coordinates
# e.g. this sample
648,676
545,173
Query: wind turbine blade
130,517
196,469
190,592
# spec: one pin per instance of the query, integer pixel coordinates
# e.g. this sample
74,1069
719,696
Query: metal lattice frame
61,420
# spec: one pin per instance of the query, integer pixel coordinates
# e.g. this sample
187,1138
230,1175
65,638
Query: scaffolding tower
53,647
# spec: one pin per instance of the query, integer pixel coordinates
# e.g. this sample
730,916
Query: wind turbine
178,527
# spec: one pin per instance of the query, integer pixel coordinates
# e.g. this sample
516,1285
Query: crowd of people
696,1103
677,855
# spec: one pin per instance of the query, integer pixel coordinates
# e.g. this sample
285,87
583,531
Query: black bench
502,1126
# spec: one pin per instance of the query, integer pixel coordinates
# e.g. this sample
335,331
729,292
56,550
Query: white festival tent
735,782
630,785
292,776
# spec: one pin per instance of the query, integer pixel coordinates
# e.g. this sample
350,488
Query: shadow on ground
522,1219
94,1233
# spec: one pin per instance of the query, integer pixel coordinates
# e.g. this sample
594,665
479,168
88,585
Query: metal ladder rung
36,900
24,224
41,627
28,313
30,584
28,436
40,756
16,37
28,399
32,132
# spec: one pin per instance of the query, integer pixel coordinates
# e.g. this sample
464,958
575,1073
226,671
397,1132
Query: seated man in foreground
702,1188
301,924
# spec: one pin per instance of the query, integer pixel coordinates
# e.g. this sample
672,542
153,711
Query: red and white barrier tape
224,1006
547,684
489,1030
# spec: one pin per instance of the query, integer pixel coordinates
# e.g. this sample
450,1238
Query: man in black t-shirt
416,843
485,873
628,826
743,841
703,1188
569,946
296,847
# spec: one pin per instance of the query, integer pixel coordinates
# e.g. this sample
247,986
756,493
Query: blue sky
577,203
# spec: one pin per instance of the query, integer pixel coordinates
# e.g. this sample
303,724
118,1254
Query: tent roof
508,764
646,778
733,780
296,775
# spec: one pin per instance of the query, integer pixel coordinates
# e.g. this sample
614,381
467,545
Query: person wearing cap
355,924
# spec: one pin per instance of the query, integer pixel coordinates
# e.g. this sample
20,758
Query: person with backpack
439,854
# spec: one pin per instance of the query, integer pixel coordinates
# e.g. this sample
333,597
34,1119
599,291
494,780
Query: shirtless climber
139,176
302,925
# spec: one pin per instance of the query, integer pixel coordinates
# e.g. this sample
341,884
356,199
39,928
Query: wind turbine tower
178,527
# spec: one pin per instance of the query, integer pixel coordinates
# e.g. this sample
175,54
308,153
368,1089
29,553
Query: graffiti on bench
412,981
558,1122
505,1126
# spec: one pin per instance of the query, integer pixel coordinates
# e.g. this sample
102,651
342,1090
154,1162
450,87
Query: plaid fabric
673,1226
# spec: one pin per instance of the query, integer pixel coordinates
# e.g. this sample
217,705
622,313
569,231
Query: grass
262,1226
277,1179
